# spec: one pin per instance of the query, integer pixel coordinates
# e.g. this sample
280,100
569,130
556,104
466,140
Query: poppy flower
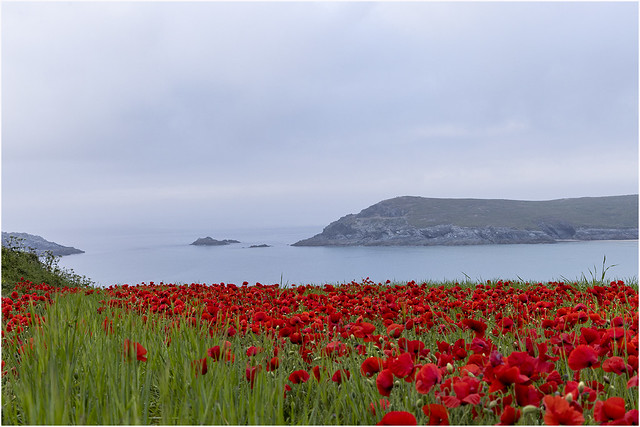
340,375
316,372
131,348
273,364
402,365
617,365
466,390
438,414
214,353
477,326
611,409
395,330
300,376
509,416
398,418
251,373
200,366
631,417
253,350
527,395
370,366
582,357
559,412
428,376
384,382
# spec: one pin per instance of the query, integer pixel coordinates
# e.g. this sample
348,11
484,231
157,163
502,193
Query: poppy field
369,353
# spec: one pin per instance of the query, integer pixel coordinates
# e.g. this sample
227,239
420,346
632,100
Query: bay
133,257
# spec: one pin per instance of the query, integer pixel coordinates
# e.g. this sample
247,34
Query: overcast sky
170,115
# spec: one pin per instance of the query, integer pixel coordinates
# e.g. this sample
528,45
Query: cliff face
416,221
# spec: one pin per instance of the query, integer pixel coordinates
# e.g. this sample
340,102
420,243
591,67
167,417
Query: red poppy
438,414
616,364
340,375
395,330
428,376
631,417
316,372
384,382
611,409
200,366
398,418
527,395
273,364
214,353
506,375
300,376
370,366
476,326
509,416
251,373
131,348
253,350
559,412
582,357
402,365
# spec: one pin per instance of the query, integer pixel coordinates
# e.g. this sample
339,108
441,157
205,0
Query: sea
137,257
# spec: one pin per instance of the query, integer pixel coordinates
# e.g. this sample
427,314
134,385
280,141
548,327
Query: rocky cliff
418,221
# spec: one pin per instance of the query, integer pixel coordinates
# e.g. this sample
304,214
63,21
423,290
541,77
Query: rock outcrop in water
39,245
208,241
418,221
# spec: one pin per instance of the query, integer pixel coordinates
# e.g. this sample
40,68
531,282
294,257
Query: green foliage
20,263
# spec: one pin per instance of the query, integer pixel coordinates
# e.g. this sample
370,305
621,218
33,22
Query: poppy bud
530,409
581,386
352,336
449,368
607,379
569,397
493,404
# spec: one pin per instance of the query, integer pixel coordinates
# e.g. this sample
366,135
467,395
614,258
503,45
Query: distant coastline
38,244
419,221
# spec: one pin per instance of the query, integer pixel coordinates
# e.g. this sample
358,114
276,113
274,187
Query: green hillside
594,212
18,264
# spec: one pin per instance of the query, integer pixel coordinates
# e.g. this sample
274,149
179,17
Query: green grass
19,264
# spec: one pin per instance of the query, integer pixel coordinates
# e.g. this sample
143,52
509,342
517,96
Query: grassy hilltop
596,212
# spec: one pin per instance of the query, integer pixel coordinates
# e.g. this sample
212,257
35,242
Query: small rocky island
420,221
264,245
38,244
208,241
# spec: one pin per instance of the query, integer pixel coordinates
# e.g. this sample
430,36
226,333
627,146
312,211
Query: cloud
269,104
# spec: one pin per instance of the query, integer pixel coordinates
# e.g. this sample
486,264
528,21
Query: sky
214,115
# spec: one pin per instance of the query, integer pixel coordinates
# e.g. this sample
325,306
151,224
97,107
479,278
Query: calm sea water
132,258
